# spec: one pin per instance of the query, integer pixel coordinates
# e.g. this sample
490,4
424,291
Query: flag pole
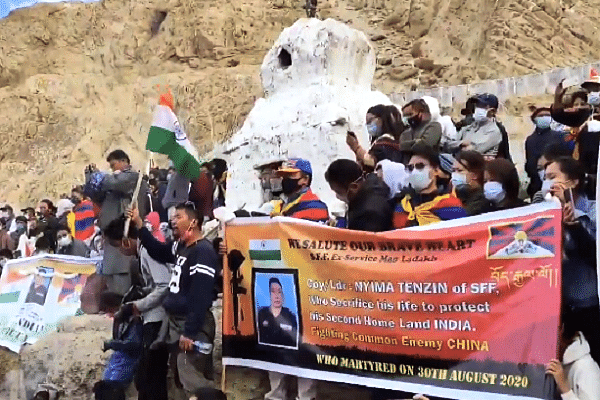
149,167
133,203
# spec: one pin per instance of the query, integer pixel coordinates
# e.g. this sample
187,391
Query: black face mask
414,121
573,119
289,185
75,200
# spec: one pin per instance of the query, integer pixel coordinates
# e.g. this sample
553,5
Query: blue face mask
458,179
373,130
494,192
543,122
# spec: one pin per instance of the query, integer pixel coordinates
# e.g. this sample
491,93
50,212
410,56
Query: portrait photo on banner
40,284
277,307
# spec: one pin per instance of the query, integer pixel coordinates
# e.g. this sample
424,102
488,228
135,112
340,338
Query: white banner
36,293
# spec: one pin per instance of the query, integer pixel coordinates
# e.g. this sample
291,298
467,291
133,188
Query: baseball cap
488,100
6,207
26,210
294,165
446,163
593,83
21,218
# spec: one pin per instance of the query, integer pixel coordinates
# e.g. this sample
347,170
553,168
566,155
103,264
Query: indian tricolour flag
11,297
265,250
167,137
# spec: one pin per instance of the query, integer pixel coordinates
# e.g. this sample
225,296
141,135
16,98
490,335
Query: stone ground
71,359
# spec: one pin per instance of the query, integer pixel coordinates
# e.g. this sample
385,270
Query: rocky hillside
77,80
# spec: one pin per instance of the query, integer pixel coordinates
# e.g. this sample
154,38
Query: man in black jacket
48,223
369,209
191,293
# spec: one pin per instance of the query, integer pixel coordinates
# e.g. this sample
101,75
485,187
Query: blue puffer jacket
127,348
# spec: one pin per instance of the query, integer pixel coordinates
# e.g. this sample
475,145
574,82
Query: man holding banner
301,203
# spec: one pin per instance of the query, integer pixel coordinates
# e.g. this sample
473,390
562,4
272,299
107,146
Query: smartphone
568,193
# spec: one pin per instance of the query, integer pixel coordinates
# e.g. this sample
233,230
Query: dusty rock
85,75
384,61
401,74
425,63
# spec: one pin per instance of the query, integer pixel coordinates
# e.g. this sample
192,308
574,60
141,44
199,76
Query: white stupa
317,83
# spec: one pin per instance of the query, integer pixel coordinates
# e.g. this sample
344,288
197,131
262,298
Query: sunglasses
418,166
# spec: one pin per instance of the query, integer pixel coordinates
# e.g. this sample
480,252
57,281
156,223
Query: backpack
504,147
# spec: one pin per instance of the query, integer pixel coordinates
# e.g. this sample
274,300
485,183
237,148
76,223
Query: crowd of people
420,168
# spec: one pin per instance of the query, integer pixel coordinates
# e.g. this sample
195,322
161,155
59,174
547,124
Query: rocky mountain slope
78,80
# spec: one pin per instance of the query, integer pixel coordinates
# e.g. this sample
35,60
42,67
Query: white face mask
148,226
458,179
546,186
4,214
494,192
594,98
543,122
419,180
593,126
64,241
480,114
542,174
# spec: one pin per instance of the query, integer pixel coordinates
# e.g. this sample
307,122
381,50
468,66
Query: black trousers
151,378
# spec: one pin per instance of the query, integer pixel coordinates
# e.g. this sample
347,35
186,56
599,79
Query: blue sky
7,6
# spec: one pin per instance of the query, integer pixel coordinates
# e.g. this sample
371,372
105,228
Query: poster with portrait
455,309
276,308
37,292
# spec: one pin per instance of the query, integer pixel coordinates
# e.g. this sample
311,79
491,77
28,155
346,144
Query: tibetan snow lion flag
167,137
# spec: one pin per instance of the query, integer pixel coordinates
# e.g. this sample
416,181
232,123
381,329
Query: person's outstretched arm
161,252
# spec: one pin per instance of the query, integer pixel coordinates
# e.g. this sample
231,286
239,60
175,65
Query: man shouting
191,293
